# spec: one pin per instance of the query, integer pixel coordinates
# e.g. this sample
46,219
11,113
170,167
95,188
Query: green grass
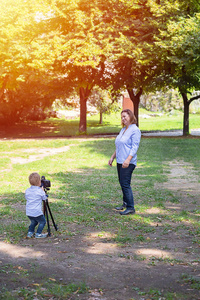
112,123
88,178
85,190
54,290
148,121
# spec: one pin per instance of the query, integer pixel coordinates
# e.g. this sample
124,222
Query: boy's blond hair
34,179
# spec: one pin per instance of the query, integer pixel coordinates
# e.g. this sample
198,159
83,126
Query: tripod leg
46,214
55,226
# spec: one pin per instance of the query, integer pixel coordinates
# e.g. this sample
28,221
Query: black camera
45,183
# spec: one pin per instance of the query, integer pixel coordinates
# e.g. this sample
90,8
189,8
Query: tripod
47,209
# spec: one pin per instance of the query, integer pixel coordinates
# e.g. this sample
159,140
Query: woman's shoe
127,212
120,207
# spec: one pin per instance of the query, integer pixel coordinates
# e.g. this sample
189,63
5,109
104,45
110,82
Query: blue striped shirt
127,143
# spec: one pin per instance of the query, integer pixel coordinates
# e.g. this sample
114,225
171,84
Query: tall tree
179,48
133,27
23,56
104,43
82,52
104,102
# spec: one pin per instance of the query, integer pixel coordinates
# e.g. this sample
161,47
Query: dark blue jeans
34,221
124,175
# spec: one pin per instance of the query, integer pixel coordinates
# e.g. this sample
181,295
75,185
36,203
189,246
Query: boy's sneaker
30,234
41,235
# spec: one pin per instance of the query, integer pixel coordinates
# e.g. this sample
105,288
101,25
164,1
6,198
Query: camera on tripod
46,184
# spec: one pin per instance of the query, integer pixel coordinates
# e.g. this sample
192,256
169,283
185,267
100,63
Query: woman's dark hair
133,118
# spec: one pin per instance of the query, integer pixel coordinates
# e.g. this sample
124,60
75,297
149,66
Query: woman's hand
127,161
110,162
111,159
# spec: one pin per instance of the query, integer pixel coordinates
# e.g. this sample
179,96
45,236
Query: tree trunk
101,117
84,94
186,103
136,101
3,86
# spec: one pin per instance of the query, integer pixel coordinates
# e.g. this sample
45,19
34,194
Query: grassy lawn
82,197
111,124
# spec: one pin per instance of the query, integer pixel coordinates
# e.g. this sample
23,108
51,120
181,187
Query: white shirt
34,196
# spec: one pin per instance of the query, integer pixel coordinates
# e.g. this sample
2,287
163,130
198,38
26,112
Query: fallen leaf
49,295
52,279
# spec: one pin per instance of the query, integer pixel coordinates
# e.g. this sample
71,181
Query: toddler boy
34,196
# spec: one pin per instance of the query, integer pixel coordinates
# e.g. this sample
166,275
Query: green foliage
102,100
25,60
53,49
180,52
162,101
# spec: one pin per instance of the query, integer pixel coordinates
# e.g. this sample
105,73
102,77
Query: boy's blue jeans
34,221
124,175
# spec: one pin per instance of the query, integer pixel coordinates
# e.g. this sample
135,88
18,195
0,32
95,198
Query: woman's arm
127,161
112,158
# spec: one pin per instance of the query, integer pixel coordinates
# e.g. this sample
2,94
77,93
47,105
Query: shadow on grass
54,128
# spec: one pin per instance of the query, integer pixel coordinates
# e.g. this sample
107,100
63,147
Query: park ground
153,254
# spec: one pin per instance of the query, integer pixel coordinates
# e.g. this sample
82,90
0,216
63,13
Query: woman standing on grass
127,144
